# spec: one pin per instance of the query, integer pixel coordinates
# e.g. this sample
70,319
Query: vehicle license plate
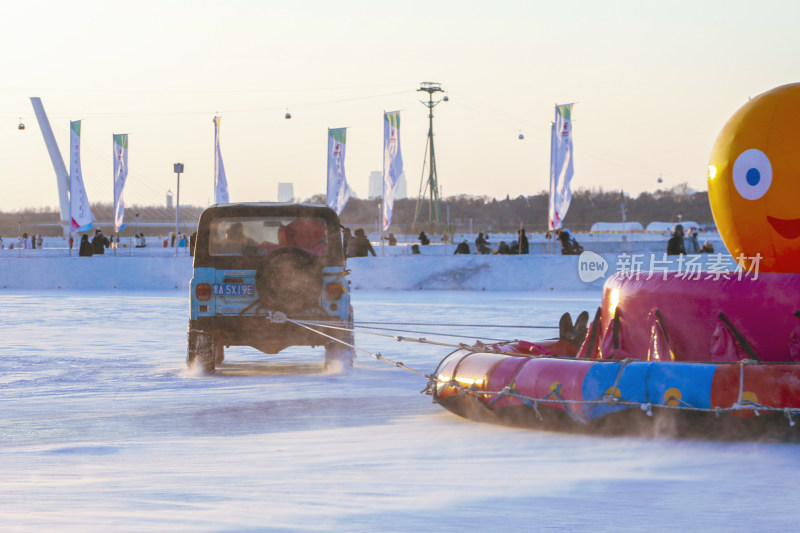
234,289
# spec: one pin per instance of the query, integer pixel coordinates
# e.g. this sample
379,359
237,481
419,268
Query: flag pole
383,196
550,197
383,189
113,194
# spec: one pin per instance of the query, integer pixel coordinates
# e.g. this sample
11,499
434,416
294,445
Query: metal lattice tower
429,188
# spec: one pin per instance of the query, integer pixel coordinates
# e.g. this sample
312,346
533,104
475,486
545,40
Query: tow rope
478,345
504,326
376,355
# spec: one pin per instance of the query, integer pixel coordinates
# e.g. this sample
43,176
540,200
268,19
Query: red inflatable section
555,380
767,385
502,375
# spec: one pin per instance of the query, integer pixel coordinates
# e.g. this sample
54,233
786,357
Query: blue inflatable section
657,383
686,384
600,380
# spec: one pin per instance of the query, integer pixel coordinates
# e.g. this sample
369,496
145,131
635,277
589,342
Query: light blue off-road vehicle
257,265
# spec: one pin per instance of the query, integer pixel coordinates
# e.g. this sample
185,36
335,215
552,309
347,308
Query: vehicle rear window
246,236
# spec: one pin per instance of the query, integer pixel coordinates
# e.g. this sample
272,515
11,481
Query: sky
654,83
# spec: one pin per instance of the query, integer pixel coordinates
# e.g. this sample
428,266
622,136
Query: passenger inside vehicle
307,234
258,236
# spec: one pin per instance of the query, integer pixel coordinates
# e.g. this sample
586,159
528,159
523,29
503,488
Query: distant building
401,188
169,199
285,192
376,186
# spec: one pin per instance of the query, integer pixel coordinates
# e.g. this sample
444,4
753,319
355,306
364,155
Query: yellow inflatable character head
754,181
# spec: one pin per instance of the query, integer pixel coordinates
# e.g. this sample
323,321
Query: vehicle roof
267,204
232,205
259,208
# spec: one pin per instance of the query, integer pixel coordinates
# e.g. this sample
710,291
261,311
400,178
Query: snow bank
96,272
399,272
403,272
473,272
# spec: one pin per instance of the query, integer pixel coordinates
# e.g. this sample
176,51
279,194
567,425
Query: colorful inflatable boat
616,395
696,349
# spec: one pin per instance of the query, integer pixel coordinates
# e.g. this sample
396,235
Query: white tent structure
616,227
667,227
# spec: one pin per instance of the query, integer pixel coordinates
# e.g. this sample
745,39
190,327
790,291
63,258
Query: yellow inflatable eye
752,174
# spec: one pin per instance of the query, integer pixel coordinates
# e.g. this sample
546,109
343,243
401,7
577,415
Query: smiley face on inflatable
754,180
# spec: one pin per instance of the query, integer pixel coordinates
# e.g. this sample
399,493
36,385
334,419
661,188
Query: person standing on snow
362,244
523,242
503,249
482,245
99,243
85,249
462,248
348,243
675,244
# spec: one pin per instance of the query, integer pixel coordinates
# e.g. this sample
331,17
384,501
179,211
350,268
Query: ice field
103,429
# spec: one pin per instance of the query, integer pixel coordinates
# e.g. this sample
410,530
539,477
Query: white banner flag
120,175
79,210
338,189
392,163
220,180
561,169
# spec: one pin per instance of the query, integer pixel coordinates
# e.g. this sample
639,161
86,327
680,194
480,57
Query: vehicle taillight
334,291
203,292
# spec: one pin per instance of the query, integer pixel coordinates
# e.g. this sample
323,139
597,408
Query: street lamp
20,242
135,237
178,169
448,224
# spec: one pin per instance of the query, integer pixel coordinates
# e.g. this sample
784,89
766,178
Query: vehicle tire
219,351
202,351
290,281
338,355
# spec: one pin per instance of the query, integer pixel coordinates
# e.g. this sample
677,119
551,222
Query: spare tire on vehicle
290,281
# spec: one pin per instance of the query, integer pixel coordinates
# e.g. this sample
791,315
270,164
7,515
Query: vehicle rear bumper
262,334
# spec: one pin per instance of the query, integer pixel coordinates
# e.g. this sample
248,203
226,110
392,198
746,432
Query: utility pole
430,188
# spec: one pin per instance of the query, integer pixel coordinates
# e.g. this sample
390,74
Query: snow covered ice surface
103,429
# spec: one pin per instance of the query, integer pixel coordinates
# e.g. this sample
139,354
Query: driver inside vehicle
235,239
